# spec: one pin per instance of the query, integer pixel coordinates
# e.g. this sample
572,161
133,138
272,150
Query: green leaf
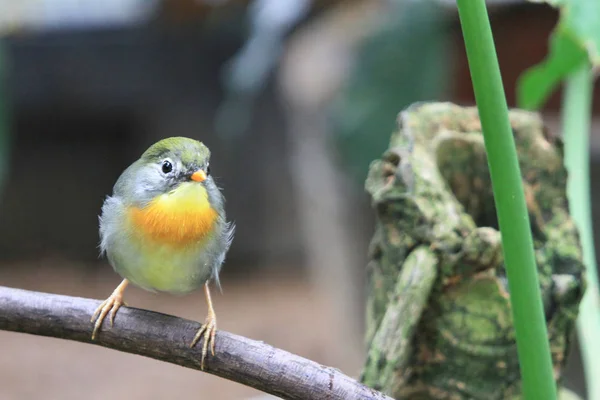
538,82
575,41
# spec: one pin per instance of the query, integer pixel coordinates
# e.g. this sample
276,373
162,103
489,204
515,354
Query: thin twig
167,338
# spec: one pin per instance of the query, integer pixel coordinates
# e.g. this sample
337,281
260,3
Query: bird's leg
114,302
208,330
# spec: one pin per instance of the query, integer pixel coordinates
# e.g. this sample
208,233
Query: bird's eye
207,170
167,166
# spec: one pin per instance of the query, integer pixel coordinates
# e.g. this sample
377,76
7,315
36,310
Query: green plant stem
576,117
530,327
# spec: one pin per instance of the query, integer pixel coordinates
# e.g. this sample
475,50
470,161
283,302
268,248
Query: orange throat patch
179,218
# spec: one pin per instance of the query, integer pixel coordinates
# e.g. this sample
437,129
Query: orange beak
199,176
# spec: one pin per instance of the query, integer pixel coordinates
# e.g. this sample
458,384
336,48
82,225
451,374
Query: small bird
164,229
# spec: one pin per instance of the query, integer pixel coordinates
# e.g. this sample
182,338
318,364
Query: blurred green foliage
406,59
574,42
574,51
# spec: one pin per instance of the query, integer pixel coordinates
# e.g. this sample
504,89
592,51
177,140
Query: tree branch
167,338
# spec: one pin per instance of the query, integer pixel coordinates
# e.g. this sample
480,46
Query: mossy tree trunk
439,322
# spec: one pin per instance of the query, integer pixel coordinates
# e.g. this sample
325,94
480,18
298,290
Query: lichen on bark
439,322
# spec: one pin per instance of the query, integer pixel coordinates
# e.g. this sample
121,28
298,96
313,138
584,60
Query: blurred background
294,98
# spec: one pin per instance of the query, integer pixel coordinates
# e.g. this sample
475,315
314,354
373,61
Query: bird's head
169,166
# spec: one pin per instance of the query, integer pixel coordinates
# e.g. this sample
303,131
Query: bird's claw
112,305
207,331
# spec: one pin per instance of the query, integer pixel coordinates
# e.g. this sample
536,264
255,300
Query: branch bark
167,338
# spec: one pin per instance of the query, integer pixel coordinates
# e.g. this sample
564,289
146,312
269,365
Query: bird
164,229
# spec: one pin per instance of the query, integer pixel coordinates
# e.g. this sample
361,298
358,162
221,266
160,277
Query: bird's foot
207,331
112,305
